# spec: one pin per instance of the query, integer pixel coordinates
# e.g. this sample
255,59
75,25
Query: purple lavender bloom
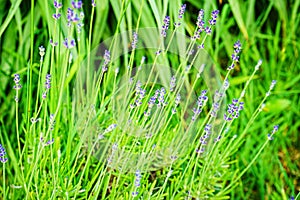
199,151
202,99
106,60
237,46
181,11
135,40
138,87
231,66
165,26
158,52
208,30
203,141
135,193
233,110
56,16
71,17
214,15
17,79
137,182
110,128
226,84
200,22
235,58
65,43
172,83
177,99
2,154
207,129
57,5
138,176
270,137
68,44
72,43
48,82
152,101
76,5
49,142
53,44
217,139
93,3
201,46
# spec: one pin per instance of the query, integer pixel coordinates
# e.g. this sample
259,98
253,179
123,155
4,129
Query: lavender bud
49,142
17,79
57,5
200,22
134,194
199,151
208,30
48,82
53,44
106,60
177,99
56,16
110,128
76,5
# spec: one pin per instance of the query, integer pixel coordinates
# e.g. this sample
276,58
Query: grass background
267,29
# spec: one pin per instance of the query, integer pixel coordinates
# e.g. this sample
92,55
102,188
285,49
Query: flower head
165,26
57,5
181,11
134,41
106,60
76,4
233,110
214,15
17,79
237,46
2,154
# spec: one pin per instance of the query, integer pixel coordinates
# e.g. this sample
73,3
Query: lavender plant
142,130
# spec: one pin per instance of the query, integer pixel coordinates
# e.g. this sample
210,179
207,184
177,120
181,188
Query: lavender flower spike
57,5
17,79
106,60
2,154
181,11
165,26
135,40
